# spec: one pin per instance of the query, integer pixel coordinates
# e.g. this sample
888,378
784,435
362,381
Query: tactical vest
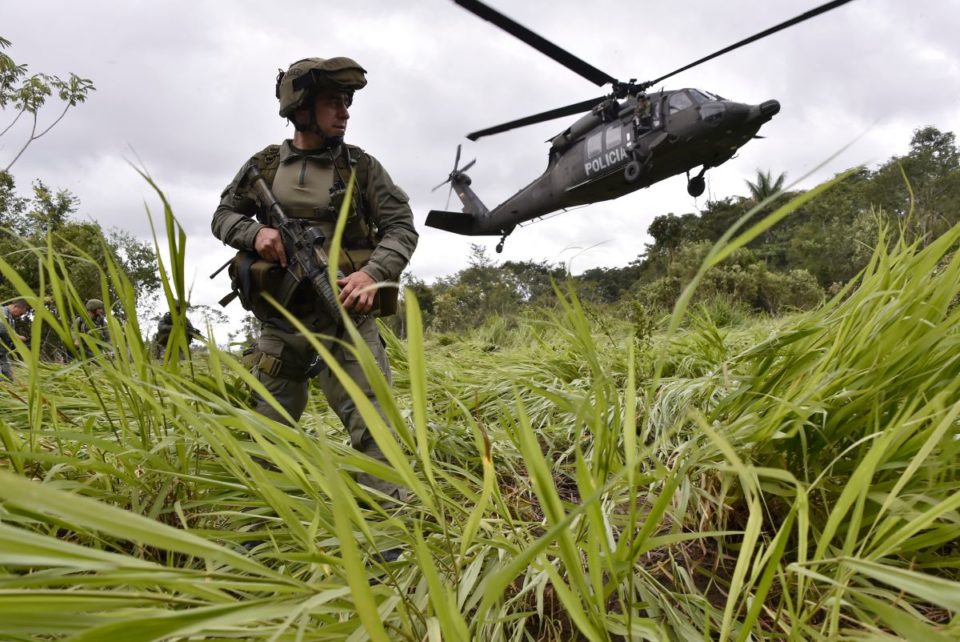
251,276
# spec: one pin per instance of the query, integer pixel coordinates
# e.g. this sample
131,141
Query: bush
793,290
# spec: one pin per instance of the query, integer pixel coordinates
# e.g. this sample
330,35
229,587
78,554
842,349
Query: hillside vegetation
573,474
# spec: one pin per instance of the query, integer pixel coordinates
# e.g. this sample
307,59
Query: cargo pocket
269,359
371,337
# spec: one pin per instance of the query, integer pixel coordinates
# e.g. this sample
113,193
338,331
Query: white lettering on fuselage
605,161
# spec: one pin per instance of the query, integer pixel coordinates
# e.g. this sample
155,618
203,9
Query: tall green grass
787,479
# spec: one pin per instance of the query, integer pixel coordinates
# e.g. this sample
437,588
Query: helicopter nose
764,111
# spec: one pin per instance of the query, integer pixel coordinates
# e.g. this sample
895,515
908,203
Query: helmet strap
329,142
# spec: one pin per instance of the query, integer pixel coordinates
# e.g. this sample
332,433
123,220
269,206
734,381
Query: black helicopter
629,139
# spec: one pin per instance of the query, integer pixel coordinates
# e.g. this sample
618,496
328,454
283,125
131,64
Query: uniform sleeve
6,343
233,221
390,209
79,327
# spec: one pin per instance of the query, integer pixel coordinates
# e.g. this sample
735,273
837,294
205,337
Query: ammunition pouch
275,360
249,357
251,277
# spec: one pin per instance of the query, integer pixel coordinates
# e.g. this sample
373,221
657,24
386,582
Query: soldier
308,175
165,329
93,323
644,118
11,312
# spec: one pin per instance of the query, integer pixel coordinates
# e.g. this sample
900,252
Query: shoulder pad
267,156
357,155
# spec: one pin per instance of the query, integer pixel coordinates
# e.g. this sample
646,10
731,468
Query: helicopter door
655,114
682,110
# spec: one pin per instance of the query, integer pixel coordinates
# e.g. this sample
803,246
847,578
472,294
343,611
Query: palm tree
765,186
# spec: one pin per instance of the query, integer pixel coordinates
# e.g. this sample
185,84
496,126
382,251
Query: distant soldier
11,312
94,323
165,331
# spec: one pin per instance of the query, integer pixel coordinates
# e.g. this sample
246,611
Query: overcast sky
187,88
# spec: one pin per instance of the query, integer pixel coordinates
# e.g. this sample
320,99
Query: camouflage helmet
94,304
306,76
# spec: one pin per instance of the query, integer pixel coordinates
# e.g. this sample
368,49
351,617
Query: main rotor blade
763,34
539,118
539,43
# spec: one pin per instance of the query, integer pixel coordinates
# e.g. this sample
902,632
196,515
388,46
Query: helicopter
628,139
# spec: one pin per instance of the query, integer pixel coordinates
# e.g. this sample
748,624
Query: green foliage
741,282
83,246
37,234
475,293
42,242
27,93
831,237
572,476
765,186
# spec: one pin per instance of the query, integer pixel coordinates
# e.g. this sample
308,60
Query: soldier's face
331,112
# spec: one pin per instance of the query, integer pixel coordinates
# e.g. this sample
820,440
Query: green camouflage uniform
96,327
6,344
383,230
165,329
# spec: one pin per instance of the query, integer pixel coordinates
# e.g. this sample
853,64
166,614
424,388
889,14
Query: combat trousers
6,370
281,365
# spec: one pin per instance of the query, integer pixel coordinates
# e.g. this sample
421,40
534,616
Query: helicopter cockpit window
594,144
679,101
614,137
700,97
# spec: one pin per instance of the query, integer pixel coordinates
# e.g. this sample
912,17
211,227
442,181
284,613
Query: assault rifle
303,245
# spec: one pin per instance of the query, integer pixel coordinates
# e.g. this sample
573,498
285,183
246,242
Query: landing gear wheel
502,240
696,186
632,171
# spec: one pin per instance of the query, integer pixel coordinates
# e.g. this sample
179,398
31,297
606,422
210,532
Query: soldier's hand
356,295
269,245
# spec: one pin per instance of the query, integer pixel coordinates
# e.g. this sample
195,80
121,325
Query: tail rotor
456,175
